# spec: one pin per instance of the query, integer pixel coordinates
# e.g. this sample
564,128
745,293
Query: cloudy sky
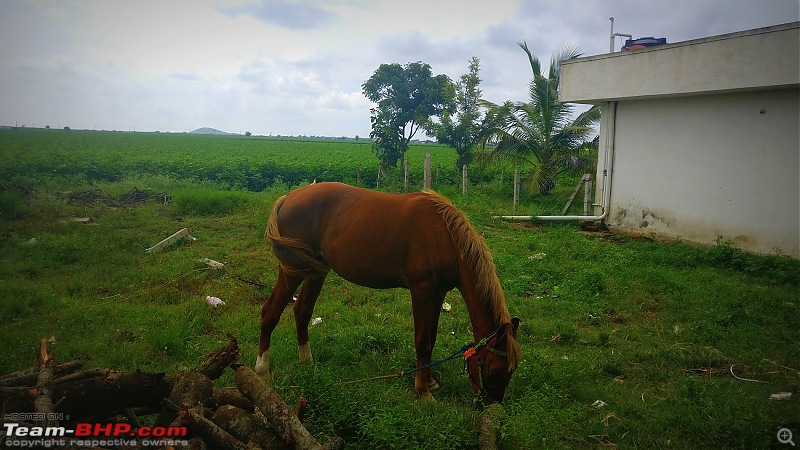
295,67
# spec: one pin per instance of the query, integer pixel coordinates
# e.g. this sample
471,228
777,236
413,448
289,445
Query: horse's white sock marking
262,363
305,353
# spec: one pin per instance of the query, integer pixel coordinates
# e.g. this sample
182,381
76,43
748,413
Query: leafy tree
463,125
406,96
543,132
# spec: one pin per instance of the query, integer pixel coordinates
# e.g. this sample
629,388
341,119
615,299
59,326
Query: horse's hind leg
303,309
271,311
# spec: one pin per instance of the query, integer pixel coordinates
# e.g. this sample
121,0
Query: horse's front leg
285,286
426,305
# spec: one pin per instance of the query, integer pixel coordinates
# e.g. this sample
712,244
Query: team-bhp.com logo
92,434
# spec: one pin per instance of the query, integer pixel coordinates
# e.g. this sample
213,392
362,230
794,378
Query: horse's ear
515,324
505,328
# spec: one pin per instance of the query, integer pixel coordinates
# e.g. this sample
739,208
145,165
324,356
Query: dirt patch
24,191
132,198
524,225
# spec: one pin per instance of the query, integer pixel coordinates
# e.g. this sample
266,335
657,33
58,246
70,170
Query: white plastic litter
781,396
214,301
316,321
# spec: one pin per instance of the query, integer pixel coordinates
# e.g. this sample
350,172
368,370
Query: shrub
206,202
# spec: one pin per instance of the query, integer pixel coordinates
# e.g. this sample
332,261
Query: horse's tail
294,256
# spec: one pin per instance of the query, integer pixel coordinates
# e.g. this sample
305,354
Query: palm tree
542,132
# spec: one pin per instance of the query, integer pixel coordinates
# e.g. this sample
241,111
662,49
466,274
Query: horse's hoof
434,385
427,397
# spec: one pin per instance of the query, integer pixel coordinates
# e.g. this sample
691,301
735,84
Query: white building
699,139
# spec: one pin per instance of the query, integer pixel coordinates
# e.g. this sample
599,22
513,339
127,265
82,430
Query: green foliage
205,201
543,132
407,96
462,125
779,267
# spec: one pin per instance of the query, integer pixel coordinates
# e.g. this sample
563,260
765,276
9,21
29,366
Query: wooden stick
216,362
43,404
276,410
217,436
247,427
28,376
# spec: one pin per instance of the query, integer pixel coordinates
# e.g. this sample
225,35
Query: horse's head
491,362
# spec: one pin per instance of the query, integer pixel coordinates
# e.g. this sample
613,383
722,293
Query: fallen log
99,396
277,412
43,403
190,389
246,426
232,396
487,428
213,434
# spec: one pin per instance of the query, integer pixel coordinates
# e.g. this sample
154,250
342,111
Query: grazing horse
418,241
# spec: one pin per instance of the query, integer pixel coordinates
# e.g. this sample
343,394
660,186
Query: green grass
650,329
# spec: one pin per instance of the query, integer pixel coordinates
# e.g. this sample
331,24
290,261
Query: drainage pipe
608,169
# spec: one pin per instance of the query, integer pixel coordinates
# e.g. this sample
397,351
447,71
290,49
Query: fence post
587,192
464,180
516,190
426,176
405,174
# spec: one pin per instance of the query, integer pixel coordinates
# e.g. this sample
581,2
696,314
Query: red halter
473,362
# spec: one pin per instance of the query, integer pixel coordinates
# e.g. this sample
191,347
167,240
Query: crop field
236,162
627,342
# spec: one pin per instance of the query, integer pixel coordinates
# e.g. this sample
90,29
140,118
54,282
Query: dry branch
215,435
217,362
276,410
232,396
89,373
190,389
43,404
246,426
28,376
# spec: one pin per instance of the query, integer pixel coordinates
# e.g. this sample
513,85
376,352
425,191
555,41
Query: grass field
654,331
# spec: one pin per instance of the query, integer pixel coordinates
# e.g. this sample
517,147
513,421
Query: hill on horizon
207,130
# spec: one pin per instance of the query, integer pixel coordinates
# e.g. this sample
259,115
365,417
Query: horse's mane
477,255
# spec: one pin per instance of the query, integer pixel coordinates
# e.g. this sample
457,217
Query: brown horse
418,241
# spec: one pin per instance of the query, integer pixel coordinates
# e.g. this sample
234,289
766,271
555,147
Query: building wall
765,58
709,166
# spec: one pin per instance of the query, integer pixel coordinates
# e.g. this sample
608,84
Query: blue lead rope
455,355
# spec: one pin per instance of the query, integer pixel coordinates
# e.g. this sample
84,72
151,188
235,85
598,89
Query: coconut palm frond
542,131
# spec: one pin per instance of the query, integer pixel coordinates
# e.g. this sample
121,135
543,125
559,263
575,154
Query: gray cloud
296,67
292,15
